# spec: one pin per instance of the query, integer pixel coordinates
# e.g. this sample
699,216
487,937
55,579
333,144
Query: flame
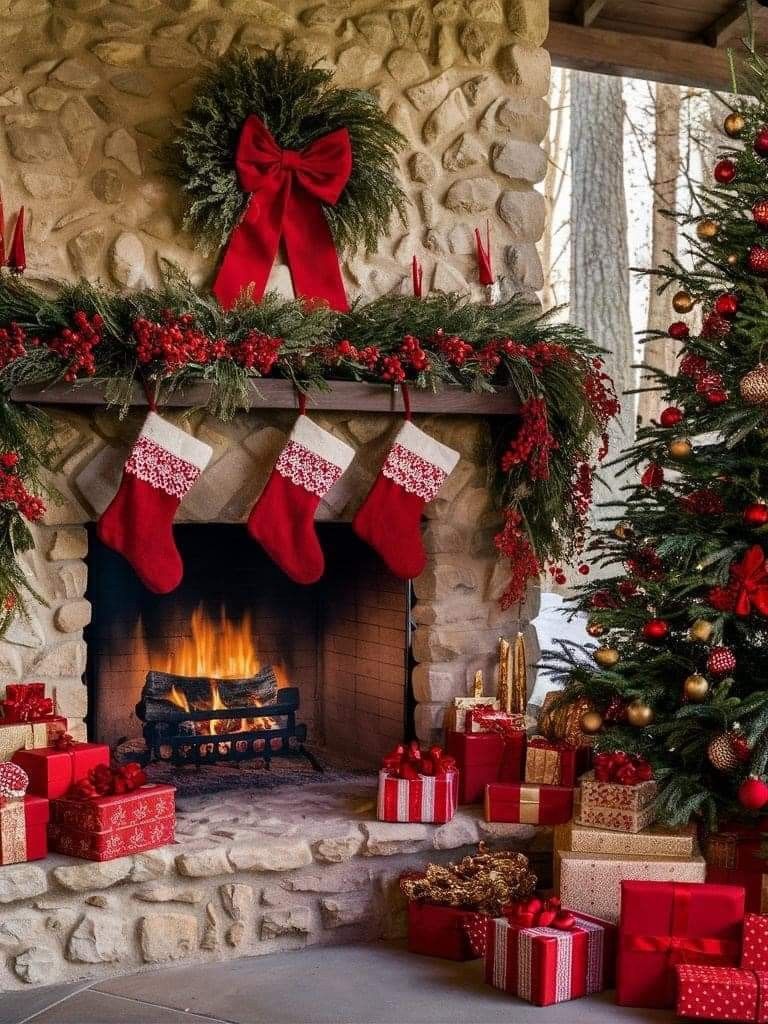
178,698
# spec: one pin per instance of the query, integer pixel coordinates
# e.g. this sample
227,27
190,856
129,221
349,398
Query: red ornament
740,747
13,781
671,416
721,661
757,259
653,476
755,514
678,330
727,304
761,141
760,213
655,630
725,171
753,793
717,396
584,569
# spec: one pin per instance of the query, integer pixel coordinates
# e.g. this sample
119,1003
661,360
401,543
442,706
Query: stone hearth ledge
251,873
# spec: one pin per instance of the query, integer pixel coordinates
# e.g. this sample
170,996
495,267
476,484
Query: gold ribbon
518,696
529,805
13,832
542,766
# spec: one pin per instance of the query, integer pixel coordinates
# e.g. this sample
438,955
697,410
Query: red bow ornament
109,780
288,188
536,913
411,762
626,769
749,580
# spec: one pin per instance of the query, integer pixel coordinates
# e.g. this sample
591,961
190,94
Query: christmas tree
680,675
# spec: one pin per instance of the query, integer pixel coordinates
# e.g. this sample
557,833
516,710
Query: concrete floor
374,984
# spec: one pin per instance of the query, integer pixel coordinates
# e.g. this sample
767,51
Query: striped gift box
430,798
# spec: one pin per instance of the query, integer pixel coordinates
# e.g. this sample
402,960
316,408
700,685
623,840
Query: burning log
165,696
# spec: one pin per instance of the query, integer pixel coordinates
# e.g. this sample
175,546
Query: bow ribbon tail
252,248
312,257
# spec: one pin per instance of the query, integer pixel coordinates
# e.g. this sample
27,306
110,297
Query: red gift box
483,758
26,702
733,857
52,771
754,950
528,804
429,798
23,830
664,924
446,932
550,965
722,993
107,827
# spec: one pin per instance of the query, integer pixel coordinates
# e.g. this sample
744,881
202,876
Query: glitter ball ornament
678,330
721,661
721,754
680,448
682,302
760,213
707,229
725,171
655,630
753,386
757,259
755,514
760,144
639,714
753,793
591,721
695,687
734,125
594,629
701,630
671,416
727,304
606,657
13,781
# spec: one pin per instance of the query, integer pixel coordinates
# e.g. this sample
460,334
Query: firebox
240,662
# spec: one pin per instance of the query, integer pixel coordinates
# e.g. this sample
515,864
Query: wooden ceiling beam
621,53
587,11
728,26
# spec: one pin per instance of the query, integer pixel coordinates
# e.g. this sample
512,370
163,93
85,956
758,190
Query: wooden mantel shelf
346,396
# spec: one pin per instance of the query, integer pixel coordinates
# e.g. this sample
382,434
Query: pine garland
298,104
172,337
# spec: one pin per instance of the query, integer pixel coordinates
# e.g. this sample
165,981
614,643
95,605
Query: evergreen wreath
298,104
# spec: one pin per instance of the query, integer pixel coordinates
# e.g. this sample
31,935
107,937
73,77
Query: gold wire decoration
502,688
477,686
519,690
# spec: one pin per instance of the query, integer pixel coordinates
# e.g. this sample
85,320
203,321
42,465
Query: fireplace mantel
280,394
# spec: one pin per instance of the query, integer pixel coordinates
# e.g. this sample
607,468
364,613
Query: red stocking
282,520
164,463
390,517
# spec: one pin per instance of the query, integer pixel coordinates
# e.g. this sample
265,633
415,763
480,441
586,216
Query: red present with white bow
722,993
569,957
418,786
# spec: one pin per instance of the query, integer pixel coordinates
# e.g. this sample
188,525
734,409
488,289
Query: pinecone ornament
721,753
721,661
753,386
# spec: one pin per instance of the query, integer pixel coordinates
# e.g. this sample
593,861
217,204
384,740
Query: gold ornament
606,657
682,302
591,721
518,690
695,688
701,630
734,125
721,754
680,448
594,629
753,386
502,685
707,229
623,532
639,714
732,259
477,685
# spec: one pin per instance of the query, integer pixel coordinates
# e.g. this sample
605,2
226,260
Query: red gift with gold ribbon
528,804
665,924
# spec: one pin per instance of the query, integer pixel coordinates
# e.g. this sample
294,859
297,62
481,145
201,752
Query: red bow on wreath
626,769
536,913
411,762
288,188
109,780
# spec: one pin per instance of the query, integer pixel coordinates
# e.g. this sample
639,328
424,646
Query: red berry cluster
557,574
14,344
369,356
257,351
532,443
645,564
513,542
13,493
454,349
175,342
706,381
412,354
392,370
715,326
601,396
76,344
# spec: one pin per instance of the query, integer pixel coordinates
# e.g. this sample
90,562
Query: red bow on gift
410,762
749,578
26,702
488,719
288,188
109,780
626,769
536,913
64,742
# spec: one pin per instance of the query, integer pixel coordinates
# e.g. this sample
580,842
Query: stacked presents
67,795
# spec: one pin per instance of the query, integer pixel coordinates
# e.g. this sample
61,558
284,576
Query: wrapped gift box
107,827
533,805
52,771
652,844
734,857
549,965
615,794
721,993
615,819
26,702
457,715
23,825
754,949
493,720
29,735
668,923
590,883
484,758
445,932
550,763
430,798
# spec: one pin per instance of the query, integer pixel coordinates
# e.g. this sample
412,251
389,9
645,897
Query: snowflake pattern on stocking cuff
307,469
413,473
160,468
